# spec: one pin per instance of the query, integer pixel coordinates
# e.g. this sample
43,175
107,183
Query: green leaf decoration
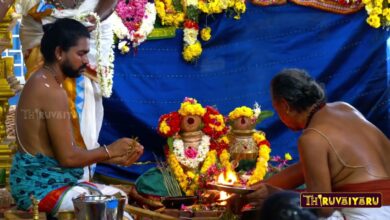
263,115
192,13
170,144
177,5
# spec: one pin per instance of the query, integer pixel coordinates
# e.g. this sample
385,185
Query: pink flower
191,152
131,13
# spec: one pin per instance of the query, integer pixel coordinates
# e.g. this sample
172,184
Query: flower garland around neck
188,164
192,156
104,73
133,22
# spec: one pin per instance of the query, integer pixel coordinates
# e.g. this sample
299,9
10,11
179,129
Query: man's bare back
40,92
357,150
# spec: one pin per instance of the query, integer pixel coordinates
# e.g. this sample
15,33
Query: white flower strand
104,73
203,149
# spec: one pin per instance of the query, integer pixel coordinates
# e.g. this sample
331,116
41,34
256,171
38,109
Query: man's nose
85,60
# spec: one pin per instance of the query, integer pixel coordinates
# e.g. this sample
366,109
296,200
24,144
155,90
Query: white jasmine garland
203,149
190,36
104,73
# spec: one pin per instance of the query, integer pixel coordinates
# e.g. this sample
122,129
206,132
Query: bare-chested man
340,151
85,94
48,164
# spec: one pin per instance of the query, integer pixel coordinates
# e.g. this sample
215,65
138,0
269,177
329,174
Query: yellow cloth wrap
69,85
39,15
34,61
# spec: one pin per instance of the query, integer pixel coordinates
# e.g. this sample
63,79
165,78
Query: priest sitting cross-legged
48,164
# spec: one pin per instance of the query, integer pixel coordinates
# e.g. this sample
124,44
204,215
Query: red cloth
376,186
48,203
50,200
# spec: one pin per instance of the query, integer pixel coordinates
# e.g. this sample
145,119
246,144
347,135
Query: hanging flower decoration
192,47
104,73
205,34
378,13
173,13
133,22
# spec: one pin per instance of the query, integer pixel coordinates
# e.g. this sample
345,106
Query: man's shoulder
341,105
38,85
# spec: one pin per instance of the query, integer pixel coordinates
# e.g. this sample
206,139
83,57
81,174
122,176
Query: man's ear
285,105
58,53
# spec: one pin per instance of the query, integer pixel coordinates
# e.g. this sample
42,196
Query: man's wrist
107,151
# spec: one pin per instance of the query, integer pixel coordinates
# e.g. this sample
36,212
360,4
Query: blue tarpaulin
235,69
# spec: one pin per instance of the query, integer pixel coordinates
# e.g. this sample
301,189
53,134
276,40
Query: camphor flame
229,179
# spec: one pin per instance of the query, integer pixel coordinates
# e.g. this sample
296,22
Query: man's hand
125,151
263,191
91,23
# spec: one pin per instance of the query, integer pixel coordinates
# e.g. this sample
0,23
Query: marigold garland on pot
262,160
224,157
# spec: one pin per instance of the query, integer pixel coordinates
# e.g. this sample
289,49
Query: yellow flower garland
262,160
205,34
182,177
239,8
164,127
193,51
191,107
214,6
242,111
378,13
219,118
169,16
210,160
224,157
